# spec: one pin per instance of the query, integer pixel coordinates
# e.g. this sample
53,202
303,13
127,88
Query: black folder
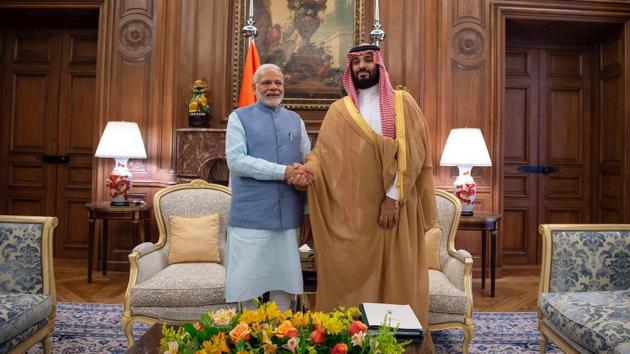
400,317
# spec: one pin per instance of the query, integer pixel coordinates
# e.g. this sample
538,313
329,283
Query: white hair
265,67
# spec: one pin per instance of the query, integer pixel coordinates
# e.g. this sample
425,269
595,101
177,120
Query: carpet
95,328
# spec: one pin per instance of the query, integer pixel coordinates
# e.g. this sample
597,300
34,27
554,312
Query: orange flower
240,332
318,335
286,329
198,326
339,348
357,327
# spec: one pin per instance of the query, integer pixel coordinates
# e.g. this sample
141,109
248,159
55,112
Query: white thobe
370,109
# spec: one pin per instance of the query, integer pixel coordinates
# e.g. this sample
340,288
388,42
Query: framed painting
307,39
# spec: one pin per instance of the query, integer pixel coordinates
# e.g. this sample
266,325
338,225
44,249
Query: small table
487,223
136,213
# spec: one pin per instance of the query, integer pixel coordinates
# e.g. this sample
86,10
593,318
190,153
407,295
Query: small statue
197,105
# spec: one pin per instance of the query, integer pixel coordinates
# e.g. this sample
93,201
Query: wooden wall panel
150,51
612,122
464,96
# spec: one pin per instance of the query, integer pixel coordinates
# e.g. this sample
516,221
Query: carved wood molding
136,36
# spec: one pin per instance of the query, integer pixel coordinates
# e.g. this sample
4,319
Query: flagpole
250,31
252,61
377,35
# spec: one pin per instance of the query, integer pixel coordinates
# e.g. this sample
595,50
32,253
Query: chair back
589,257
449,209
26,254
194,199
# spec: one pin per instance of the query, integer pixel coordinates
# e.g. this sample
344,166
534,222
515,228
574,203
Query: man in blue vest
265,145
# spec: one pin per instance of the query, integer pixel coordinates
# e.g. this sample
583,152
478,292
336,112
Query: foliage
268,330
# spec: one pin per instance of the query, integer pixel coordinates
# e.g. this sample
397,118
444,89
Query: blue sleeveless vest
273,135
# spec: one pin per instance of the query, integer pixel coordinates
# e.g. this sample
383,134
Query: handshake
298,175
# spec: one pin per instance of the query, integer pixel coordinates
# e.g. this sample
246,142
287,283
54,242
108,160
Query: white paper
397,315
305,248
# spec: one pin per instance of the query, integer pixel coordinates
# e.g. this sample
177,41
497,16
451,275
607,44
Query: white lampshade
121,140
465,147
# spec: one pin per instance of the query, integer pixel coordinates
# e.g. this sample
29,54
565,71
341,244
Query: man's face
364,71
270,88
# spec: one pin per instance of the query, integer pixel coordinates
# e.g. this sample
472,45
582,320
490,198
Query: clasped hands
298,175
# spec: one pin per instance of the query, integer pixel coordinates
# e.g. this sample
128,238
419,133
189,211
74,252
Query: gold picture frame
307,40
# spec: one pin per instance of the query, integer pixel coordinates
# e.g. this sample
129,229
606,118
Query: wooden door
30,119
547,152
48,109
77,121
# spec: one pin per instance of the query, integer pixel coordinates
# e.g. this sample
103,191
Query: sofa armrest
454,267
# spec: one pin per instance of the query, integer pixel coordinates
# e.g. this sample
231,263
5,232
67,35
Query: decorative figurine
198,108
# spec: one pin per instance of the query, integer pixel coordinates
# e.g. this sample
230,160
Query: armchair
27,283
181,292
450,289
584,294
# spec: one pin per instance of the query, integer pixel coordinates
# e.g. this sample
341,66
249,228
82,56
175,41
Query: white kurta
259,261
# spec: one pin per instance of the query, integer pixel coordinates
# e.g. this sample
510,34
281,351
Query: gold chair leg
469,331
126,324
47,344
542,340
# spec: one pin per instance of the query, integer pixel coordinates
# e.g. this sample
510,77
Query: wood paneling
612,129
448,53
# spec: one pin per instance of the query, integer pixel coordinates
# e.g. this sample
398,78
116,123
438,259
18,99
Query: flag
252,62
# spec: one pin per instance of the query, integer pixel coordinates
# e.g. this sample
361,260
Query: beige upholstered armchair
180,292
450,289
27,283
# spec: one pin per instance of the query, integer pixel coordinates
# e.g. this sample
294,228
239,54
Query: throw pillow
432,239
194,239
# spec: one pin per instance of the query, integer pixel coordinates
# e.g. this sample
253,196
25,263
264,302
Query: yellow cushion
432,240
194,239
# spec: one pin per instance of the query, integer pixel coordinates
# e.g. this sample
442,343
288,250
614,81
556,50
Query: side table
136,213
487,223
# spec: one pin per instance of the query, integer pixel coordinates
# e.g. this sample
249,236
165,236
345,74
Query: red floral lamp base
119,183
465,189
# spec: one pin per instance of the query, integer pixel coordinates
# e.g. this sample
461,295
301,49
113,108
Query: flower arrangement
268,330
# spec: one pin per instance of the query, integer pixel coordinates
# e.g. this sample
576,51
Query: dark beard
366,83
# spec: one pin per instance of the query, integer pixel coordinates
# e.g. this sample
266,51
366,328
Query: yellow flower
269,348
216,345
334,323
300,319
271,310
256,326
250,317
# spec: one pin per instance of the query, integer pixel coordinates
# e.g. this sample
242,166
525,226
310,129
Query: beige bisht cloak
356,259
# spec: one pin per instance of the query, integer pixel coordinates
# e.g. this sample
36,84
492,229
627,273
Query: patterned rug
95,328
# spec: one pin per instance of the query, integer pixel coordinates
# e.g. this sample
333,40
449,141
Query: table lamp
465,148
121,141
